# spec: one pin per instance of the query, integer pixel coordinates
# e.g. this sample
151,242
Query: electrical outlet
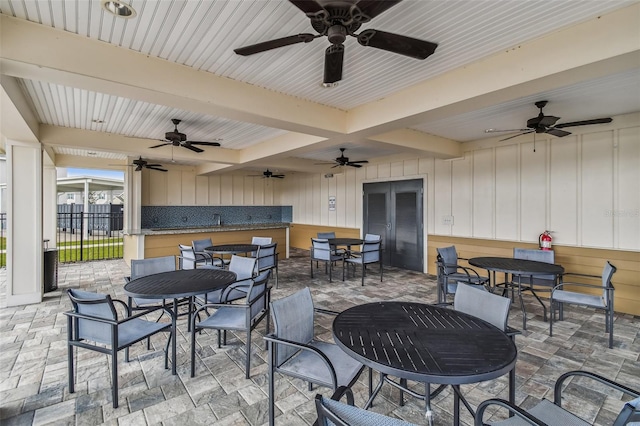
447,220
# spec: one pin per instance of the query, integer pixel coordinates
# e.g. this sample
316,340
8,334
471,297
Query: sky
110,174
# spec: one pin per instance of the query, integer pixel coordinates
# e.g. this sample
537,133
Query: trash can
50,270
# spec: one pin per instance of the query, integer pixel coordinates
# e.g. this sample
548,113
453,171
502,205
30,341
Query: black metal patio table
178,285
232,248
519,268
427,344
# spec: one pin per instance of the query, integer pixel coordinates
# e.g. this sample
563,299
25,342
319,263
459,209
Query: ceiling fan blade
156,168
307,6
403,45
506,131
277,176
162,144
357,162
192,148
274,44
584,123
333,58
138,168
152,165
204,143
373,8
515,136
557,132
548,120
353,165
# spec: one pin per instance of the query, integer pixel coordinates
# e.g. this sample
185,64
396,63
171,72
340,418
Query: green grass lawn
69,251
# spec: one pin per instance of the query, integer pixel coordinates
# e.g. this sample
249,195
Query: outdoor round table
427,344
177,285
232,248
519,267
345,242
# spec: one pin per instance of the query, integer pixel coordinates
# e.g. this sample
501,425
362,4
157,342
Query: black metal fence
96,235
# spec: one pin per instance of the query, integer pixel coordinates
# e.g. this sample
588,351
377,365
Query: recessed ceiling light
118,8
91,153
330,85
98,121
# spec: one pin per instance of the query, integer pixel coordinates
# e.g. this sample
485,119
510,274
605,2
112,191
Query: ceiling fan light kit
547,124
336,20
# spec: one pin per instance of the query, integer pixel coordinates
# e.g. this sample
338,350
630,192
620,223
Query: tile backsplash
158,217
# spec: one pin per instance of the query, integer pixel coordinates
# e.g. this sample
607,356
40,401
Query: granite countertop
194,230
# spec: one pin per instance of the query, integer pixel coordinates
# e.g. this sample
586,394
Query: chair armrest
325,311
217,306
599,287
519,412
127,279
512,332
116,321
557,392
582,275
342,391
240,286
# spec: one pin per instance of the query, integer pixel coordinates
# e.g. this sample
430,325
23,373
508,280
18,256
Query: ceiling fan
336,20
547,124
268,174
344,161
176,138
140,164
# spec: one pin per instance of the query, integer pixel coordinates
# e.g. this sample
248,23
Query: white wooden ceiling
202,35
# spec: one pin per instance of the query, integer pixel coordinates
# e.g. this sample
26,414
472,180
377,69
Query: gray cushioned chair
370,253
204,258
552,414
267,256
245,269
329,235
189,260
237,317
294,352
144,267
544,282
604,300
333,412
321,251
94,324
450,273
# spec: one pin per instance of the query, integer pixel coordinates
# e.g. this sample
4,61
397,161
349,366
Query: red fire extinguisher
544,240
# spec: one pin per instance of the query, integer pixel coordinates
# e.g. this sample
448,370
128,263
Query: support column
49,201
132,220
25,255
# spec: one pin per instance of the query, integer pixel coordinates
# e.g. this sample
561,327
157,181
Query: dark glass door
394,210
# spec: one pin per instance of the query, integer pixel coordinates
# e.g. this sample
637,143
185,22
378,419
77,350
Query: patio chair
542,282
328,236
142,268
260,241
267,257
245,270
552,414
450,273
188,260
294,352
94,318
371,252
238,317
333,412
604,300
204,258
321,251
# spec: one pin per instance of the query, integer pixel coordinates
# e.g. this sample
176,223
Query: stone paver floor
33,360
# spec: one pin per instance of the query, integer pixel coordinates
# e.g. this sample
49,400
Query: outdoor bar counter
155,242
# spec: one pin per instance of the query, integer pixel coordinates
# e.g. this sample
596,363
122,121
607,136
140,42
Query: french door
394,210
